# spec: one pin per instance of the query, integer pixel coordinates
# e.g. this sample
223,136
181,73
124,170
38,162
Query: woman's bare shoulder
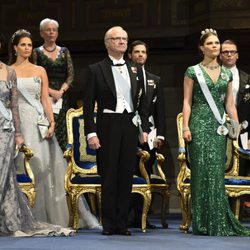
39,70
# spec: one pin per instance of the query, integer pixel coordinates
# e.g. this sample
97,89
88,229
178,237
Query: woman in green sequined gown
211,214
59,67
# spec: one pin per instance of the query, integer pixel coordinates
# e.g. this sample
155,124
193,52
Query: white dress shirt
122,103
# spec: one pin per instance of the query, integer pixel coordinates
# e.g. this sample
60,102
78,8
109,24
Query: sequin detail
211,213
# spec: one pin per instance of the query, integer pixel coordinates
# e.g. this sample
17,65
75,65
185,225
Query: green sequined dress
59,71
211,213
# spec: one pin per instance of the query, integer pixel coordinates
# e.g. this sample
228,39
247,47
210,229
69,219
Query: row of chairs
82,177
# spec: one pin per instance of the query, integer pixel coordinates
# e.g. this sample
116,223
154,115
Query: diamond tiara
19,32
206,31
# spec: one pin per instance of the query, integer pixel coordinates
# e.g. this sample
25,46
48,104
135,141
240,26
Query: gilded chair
25,177
81,175
244,153
141,185
235,185
183,179
159,185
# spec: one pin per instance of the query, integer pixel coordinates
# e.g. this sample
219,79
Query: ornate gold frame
74,191
28,188
162,189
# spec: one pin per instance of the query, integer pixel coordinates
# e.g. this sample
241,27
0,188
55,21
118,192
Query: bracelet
185,129
63,90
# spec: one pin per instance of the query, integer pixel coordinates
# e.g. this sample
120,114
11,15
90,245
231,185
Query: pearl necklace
210,67
48,50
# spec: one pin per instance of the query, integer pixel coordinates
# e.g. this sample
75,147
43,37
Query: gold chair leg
236,207
74,211
186,211
99,203
92,202
146,204
70,209
31,197
165,202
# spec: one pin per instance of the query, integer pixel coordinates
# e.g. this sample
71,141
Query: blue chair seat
138,180
244,151
232,181
187,181
23,178
95,179
229,181
86,165
157,181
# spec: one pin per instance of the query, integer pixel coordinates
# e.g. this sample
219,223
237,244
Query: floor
155,239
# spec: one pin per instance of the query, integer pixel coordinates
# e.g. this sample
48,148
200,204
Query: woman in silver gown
48,164
16,218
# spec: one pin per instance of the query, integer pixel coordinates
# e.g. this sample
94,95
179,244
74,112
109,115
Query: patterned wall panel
230,4
179,12
89,19
223,14
28,14
129,13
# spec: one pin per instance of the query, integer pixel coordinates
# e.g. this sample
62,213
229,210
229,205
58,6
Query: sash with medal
42,122
222,129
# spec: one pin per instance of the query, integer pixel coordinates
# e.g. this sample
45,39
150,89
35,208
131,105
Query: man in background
241,94
138,53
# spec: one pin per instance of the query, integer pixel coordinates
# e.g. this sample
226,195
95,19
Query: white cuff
160,137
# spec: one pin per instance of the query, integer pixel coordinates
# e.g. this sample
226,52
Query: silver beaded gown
16,218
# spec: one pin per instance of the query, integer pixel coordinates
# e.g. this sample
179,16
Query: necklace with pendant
210,67
49,50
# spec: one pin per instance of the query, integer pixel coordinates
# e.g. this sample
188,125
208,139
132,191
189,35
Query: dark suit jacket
101,88
243,99
155,100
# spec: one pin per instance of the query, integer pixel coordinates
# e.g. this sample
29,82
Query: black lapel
108,75
133,74
150,88
243,81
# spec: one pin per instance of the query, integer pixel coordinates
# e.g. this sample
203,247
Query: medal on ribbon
222,130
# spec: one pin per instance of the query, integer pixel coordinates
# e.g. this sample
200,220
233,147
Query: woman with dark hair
48,164
207,90
16,218
59,67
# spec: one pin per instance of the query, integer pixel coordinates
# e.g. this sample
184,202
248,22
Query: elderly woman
58,64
